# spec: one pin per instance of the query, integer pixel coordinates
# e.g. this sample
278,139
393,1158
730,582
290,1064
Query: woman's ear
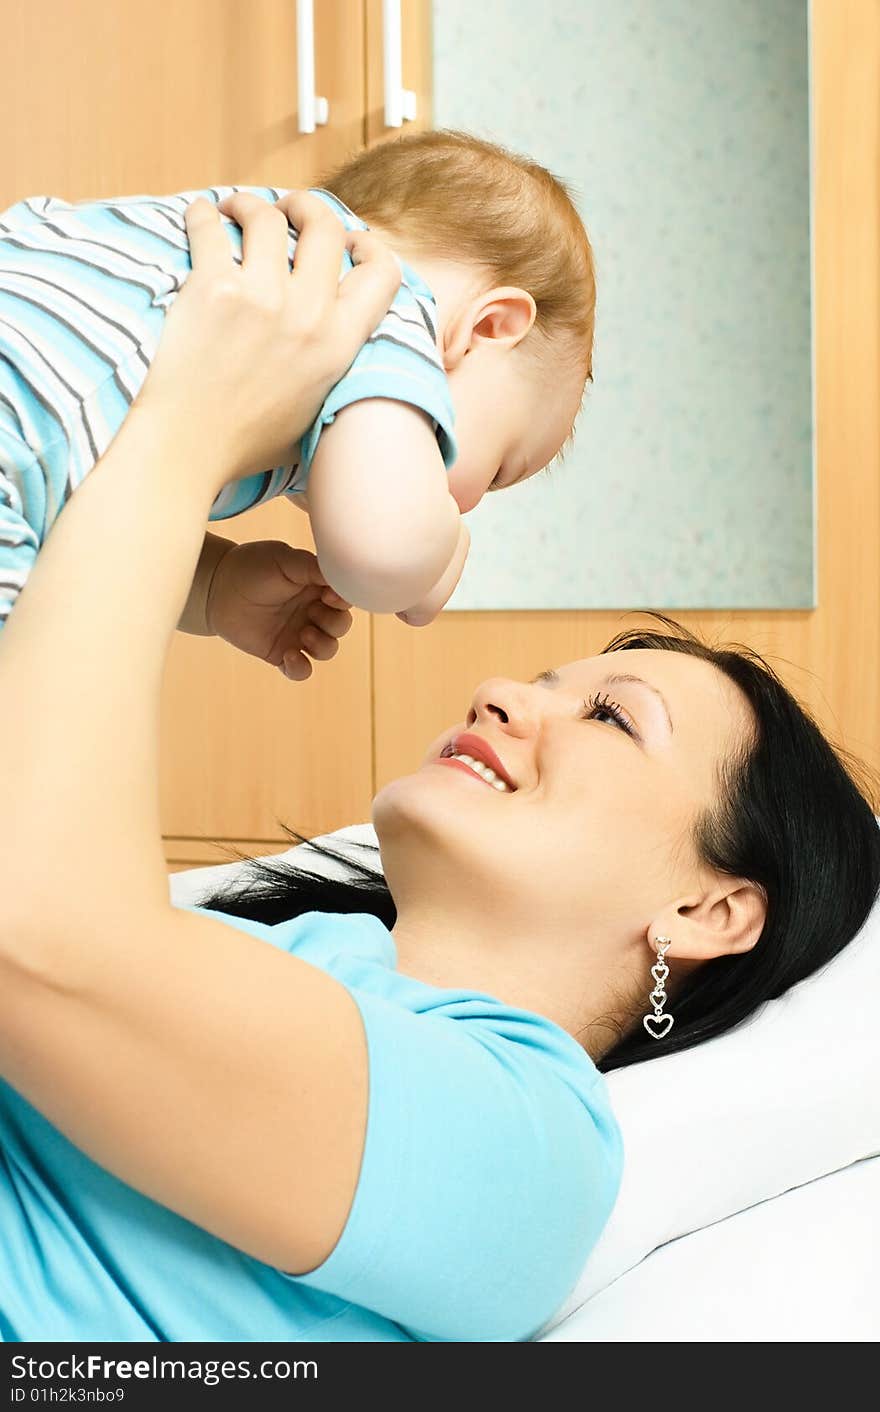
725,920
501,317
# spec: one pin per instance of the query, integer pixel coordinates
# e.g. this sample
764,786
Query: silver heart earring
658,1025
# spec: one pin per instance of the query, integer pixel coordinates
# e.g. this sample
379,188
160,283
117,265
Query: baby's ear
502,317
505,315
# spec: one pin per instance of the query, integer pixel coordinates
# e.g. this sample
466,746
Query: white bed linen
803,1267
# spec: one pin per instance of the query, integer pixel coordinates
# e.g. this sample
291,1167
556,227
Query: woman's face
613,759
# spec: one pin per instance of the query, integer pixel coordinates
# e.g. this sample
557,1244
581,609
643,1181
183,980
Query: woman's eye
598,708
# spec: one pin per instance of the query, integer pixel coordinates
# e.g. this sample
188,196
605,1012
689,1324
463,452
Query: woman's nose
503,701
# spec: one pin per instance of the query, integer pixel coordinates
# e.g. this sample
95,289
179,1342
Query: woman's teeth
484,771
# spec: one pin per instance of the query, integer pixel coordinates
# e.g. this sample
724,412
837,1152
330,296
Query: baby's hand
273,602
425,611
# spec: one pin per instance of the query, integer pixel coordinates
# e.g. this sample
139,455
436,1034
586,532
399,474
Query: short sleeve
490,1166
22,487
399,361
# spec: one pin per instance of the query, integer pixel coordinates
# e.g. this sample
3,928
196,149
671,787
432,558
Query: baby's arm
194,617
420,614
384,523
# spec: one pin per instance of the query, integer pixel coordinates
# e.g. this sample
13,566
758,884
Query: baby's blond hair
447,193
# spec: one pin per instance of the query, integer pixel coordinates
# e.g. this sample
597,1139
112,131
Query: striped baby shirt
84,289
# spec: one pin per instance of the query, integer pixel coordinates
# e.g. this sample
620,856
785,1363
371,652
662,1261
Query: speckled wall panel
683,127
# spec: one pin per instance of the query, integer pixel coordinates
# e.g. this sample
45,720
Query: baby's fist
273,602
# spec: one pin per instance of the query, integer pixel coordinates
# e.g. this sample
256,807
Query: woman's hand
273,602
224,368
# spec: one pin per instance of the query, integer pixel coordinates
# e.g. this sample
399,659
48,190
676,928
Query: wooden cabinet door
415,24
106,97
102,98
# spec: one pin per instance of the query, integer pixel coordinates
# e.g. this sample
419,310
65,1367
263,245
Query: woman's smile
476,769
473,752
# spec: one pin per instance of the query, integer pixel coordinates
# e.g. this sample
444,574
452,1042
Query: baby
471,382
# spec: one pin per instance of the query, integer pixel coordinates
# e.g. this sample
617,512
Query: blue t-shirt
491,1163
84,291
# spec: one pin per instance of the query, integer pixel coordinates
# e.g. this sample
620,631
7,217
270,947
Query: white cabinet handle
400,102
312,109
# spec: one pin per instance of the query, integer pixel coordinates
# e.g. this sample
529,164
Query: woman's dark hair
789,817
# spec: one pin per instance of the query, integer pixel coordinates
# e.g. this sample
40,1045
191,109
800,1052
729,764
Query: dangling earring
658,1025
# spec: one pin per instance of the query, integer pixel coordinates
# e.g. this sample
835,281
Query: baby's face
512,416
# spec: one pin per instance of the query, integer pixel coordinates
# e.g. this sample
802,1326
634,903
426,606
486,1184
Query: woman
219,1129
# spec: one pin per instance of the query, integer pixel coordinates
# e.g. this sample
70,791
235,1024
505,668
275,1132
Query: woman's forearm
81,665
194,618
104,1026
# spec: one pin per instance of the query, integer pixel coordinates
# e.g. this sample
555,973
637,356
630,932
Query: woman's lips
460,765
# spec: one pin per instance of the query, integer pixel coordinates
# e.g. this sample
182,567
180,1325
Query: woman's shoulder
491,1147
358,950
335,941
492,1156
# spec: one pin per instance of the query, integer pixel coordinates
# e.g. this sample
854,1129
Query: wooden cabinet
106,97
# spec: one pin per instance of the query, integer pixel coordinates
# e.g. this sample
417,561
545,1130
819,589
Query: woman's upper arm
491,1163
210,1070
229,1081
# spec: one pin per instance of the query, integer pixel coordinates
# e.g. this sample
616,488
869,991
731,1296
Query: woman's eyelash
596,704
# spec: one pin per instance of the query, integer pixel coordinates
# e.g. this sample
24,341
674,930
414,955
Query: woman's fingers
210,251
249,353
366,293
357,304
263,232
321,239
364,296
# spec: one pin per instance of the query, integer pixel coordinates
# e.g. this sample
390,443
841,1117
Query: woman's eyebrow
551,678
548,677
625,678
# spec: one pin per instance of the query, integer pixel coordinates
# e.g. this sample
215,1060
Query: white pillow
801,1268
787,1097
